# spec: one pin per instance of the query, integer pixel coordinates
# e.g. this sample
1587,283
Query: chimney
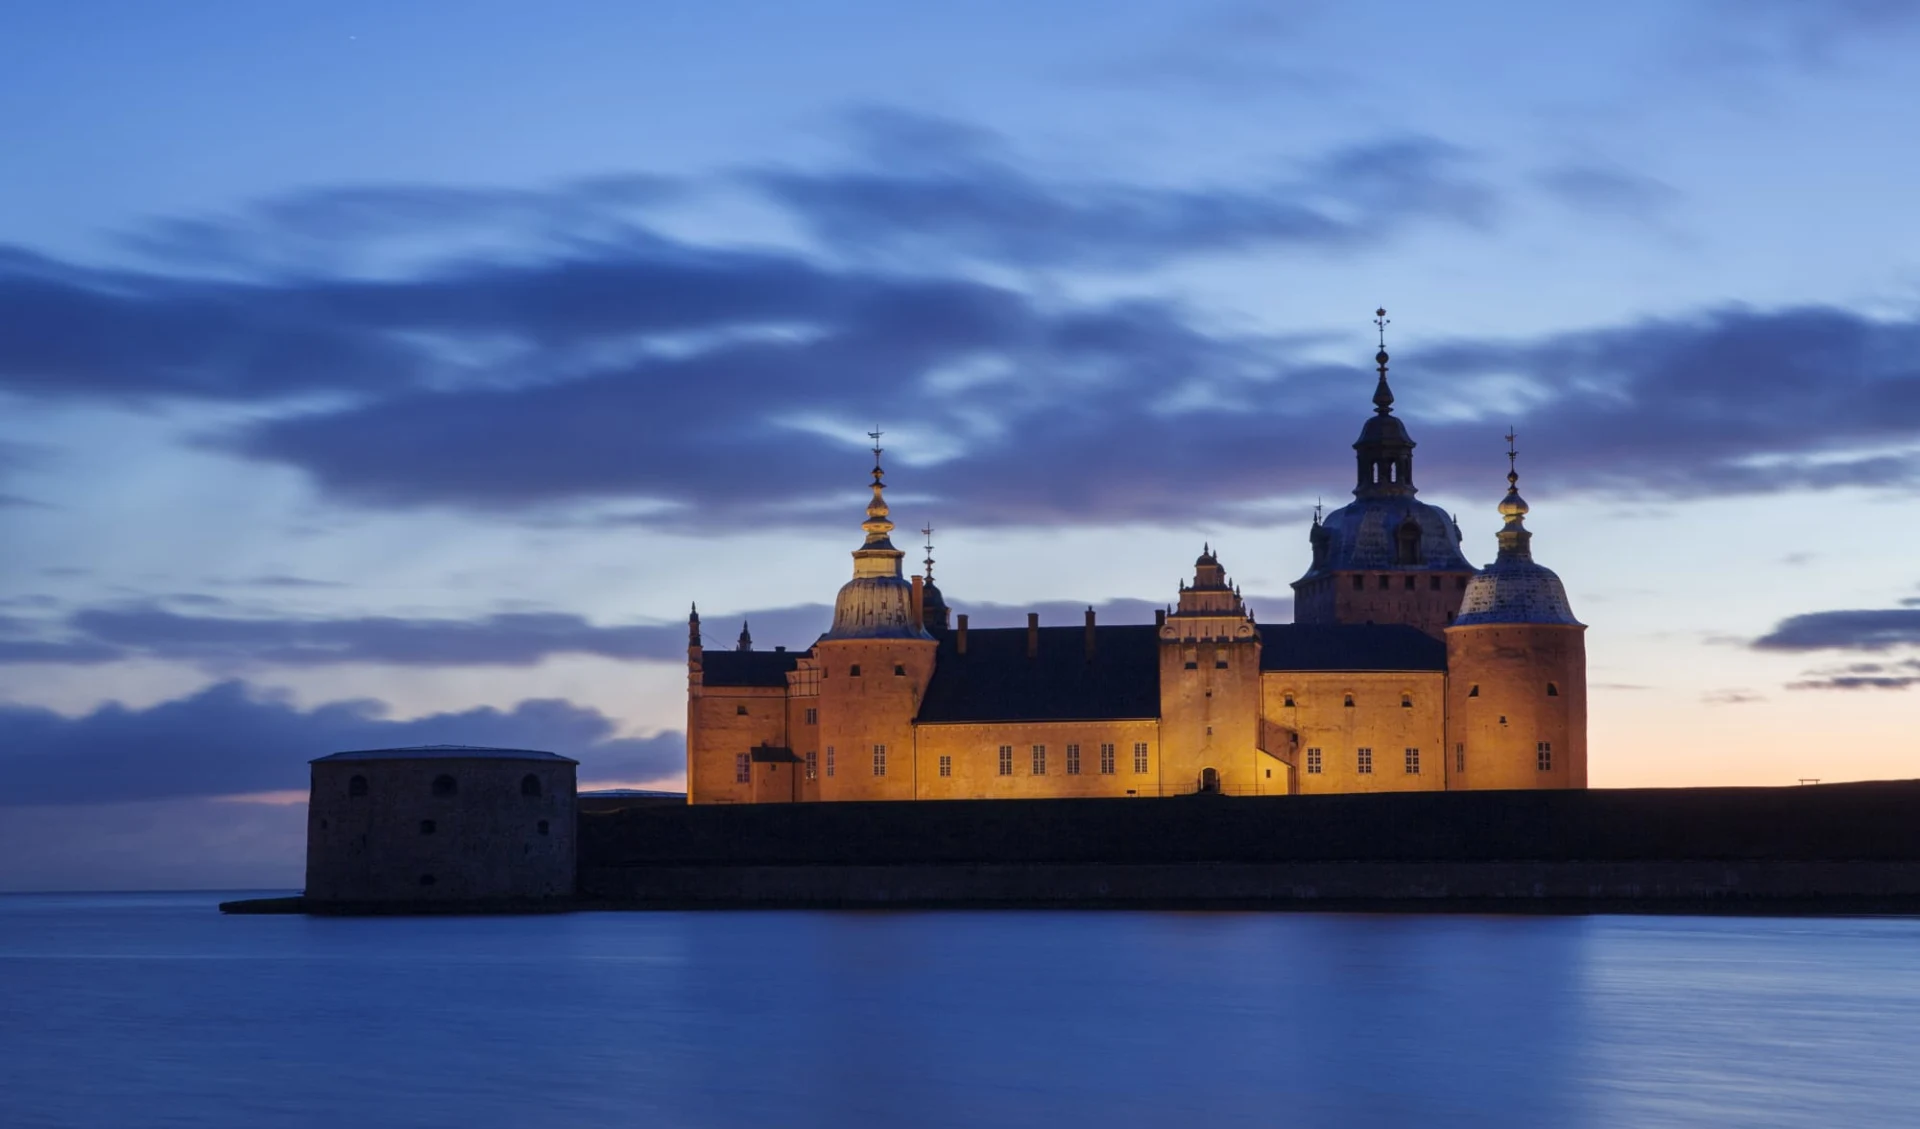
919,602
1160,617
1033,635
960,637
1089,634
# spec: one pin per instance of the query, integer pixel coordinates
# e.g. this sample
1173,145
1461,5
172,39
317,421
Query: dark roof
772,754
446,752
996,681
1349,646
746,668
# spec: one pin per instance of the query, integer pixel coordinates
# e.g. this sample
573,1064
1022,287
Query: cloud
951,195
185,844
1733,696
1608,190
1867,629
231,739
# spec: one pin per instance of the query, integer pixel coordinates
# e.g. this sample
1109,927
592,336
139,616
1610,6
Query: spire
746,638
877,524
693,627
1384,448
927,531
1382,395
1514,536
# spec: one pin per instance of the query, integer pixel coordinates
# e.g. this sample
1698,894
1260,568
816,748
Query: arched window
444,785
1406,701
1552,690
1349,701
529,785
1475,691
357,786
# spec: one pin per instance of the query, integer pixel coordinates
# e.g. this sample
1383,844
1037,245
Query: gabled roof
746,668
996,681
1349,646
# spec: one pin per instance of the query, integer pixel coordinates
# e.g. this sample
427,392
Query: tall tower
874,667
1209,688
1385,557
1516,670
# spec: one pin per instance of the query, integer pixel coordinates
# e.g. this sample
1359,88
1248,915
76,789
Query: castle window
1287,701
1106,759
1349,701
1073,760
879,760
1552,690
813,716
854,671
1313,762
1219,664
1543,754
426,880
444,785
899,670
1193,666
740,711
1359,583
1140,756
1006,760
1365,759
1039,760
1413,762
829,760
542,828
1406,701
813,764
357,786
1411,580
529,785
1385,581
1474,691
946,766
1460,758
743,768
1433,584
427,827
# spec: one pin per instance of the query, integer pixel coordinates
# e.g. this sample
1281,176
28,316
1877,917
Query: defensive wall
1819,848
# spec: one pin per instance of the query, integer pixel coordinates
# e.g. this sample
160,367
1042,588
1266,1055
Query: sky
398,374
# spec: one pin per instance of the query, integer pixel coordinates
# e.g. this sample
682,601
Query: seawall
1851,848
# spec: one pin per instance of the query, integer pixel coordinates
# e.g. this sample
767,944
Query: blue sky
375,372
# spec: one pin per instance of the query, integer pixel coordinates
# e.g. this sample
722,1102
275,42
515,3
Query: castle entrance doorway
1209,780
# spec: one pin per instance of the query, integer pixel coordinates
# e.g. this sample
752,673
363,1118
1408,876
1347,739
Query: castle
1406,669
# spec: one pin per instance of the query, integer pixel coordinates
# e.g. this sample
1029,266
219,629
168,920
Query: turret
874,663
1516,669
1385,557
1210,690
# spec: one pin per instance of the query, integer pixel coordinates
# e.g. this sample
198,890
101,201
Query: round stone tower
874,667
1516,671
440,824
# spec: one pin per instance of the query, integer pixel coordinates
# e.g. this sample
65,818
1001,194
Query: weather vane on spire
927,531
1513,466
1381,321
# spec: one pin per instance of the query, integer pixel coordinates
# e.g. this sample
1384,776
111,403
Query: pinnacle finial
1382,395
927,532
877,524
1513,468
746,638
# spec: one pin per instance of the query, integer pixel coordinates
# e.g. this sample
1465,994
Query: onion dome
1513,589
878,602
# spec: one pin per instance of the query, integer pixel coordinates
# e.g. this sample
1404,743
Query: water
152,1010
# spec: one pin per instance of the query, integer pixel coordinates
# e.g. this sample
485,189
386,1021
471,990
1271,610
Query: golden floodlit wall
866,718
1391,713
1518,706
964,761
723,724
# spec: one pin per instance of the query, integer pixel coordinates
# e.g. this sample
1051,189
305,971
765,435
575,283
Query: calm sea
119,1011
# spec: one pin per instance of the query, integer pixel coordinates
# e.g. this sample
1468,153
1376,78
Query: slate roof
746,668
445,752
1349,646
996,681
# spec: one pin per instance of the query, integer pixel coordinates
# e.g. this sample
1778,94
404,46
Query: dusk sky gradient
395,374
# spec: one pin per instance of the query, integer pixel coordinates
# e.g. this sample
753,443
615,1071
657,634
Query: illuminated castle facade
1406,669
